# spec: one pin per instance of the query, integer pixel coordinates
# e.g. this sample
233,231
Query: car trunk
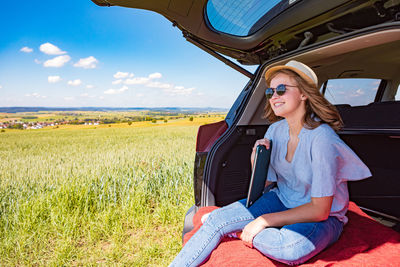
372,131
289,30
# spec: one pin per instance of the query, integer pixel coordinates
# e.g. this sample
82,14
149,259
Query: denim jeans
291,244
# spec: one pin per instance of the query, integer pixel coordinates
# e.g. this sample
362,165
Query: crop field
107,195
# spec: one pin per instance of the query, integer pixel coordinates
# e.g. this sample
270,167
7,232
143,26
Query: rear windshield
243,17
355,92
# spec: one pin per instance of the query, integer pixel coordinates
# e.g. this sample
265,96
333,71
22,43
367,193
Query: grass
88,196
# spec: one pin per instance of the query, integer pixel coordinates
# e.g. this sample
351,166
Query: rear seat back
378,115
373,132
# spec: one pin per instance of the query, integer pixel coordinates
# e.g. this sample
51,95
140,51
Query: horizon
68,56
107,107
14,110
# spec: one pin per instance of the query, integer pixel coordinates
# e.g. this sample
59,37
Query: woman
305,213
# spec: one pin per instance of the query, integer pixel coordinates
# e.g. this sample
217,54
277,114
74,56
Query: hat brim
273,70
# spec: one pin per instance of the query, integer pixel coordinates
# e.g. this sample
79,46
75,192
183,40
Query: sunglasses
280,90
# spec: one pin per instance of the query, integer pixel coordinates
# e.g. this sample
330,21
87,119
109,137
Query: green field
90,196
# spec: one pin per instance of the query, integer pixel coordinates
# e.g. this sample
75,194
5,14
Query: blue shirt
321,166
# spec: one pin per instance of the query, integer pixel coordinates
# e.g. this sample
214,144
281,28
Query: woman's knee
294,244
228,215
295,255
276,244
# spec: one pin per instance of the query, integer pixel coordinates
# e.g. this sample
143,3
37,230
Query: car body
354,48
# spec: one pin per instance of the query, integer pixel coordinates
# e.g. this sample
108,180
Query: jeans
291,244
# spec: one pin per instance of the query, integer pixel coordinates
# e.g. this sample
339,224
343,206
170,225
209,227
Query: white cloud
85,94
138,80
51,49
26,49
179,90
101,97
148,81
36,95
145,80
68,98
110,92
89,86
121,75
37,61
53,79
155,75
116,91
159,85
87,63
139,95
75,82
1,86
57,62
123,88
359,92
117,81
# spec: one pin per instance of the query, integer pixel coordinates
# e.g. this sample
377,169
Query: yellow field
141,124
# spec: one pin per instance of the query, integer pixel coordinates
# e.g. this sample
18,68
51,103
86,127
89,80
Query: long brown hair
318,109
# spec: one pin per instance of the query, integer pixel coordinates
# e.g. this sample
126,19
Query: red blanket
364,242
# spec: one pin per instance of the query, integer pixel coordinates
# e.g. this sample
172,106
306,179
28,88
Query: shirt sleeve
324,165
332,163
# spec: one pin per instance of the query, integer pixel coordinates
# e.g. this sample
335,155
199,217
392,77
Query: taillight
208,134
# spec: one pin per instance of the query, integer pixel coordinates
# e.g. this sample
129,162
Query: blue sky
74,53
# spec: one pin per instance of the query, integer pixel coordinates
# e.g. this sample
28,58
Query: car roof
276,30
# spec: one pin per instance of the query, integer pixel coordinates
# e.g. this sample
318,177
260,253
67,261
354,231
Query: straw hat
301,69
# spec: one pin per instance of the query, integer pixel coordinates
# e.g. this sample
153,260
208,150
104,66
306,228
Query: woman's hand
264,142
251,230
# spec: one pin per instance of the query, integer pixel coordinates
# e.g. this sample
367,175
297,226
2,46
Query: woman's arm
315,211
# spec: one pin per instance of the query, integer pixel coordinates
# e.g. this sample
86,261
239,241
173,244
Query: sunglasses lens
269,92
281,89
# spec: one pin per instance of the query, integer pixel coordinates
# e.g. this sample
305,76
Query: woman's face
292,102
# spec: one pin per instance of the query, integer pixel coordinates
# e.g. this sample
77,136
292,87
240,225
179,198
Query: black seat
379,149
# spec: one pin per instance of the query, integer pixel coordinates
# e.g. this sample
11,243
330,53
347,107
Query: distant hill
161,109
